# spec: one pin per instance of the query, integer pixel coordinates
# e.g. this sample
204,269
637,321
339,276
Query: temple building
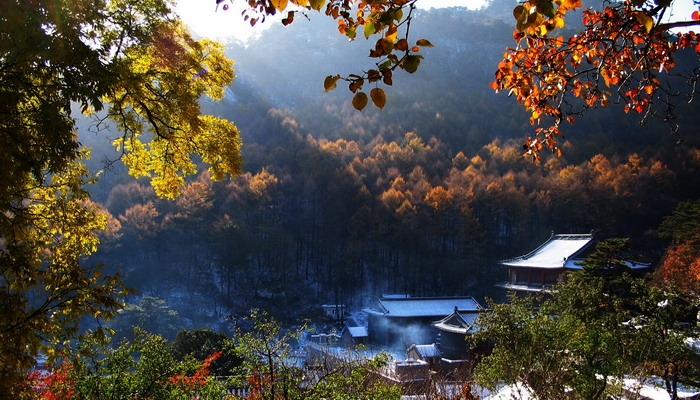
399,322
547,264
454,331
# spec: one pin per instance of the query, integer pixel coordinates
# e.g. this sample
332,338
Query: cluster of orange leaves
680,268
559,78
200,376
258,384
53,385
59,385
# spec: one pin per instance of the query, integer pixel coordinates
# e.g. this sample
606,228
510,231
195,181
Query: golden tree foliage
170,73
44,288
623,54
134,60
680,268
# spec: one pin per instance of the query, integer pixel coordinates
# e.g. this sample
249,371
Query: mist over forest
422,197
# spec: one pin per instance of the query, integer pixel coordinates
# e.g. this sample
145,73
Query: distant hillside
422,197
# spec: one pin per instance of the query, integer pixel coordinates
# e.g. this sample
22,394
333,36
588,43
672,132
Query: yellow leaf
558,22
279,4
646,21
391,34
378,97
331,82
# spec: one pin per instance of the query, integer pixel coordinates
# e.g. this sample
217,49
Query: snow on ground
653,389
650,389
509,392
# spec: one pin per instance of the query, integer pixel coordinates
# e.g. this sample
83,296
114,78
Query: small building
334,311
400,322
547,264
454,330
407,371
353,336
325,339
426,352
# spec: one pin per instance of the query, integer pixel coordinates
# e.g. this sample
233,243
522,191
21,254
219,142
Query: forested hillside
422,197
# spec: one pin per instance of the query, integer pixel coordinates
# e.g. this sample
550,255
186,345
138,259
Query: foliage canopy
136,66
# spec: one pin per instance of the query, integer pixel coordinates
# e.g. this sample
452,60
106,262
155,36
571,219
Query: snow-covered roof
423,306
357,331
553,253
523,287
577,263
395,296
457,322
426,350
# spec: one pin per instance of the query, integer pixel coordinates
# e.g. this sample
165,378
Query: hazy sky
204,19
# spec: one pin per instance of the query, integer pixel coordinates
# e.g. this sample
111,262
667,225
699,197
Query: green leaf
546,7
369,30
359,101
378,97
424,43
331,82
410,64
317,4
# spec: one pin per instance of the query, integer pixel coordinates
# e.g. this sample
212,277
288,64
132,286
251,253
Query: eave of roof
524,288
456,323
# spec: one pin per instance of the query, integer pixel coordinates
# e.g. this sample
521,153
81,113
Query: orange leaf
401,45
359,101
570,4
279,4
378,97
